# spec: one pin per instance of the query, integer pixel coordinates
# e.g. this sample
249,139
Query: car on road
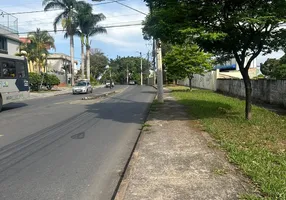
107,84
132,82
82,87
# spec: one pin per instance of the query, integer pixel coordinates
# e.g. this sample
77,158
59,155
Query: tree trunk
248,94
72,59
190,83
191,76
87,58
82,57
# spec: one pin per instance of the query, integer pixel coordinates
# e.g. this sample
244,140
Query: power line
42,21
38,11
139,11
62,30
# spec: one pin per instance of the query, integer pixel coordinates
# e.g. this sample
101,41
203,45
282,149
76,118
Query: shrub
35,81
50,80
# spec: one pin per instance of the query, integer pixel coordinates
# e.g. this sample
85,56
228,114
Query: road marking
1,135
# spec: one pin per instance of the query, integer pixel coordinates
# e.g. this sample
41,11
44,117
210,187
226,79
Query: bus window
21,71
8,69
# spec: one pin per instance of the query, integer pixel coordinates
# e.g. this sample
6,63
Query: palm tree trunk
87,58
82,57
72,59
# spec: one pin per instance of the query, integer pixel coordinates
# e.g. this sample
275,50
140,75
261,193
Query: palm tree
84,12
37,47
68,19
92,28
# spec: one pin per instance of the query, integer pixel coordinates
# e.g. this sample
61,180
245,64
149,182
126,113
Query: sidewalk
174,160
55,92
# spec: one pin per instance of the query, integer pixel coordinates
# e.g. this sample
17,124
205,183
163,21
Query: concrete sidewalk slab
174,160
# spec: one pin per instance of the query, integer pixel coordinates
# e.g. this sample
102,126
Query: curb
103,95
120,191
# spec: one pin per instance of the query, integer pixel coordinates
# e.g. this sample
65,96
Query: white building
9,38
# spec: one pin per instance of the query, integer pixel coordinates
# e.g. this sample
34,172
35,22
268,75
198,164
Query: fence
268,91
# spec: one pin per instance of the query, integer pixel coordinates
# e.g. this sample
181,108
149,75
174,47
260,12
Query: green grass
256,146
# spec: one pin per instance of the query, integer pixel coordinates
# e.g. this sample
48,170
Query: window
3,45
8,69
21,70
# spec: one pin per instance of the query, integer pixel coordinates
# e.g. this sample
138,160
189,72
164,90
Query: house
9,37
59,64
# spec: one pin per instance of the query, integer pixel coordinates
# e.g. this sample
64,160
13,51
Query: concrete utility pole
127,76
154,61
159,72
141,74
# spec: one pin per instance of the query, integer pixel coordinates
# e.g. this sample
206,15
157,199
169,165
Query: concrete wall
268,91
12,46
206,81
55,64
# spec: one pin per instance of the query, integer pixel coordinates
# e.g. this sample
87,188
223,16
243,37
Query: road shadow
12,106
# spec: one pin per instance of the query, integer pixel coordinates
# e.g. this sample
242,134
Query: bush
35,81
93,81
50,80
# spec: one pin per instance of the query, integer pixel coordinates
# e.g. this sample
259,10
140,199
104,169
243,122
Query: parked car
132,82
82,87
107,84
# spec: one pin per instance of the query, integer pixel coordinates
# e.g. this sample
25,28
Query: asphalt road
52,149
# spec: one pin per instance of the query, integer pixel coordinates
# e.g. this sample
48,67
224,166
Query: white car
82,87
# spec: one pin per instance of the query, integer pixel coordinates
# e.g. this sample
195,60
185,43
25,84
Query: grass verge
256,146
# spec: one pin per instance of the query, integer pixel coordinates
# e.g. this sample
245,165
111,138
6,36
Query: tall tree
37,47
69,22
186,60
84,12
228,28
90,29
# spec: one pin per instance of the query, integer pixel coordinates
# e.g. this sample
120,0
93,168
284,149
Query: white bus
14,79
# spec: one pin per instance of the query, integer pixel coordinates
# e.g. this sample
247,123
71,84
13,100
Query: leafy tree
121,64
186,60
228,28
98,62
269,66
274,68
69,22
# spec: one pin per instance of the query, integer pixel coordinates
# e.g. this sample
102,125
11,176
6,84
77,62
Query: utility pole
159,72
127,76
154,61
141,74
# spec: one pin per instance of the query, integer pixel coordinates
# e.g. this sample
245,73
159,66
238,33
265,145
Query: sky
122,41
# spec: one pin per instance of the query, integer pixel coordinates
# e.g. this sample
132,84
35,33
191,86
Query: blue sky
123,41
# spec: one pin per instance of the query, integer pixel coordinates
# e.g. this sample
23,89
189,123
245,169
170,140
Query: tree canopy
120,65
227,28
186,60
274,68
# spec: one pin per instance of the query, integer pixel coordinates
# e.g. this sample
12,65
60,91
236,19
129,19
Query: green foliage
35,81
119,68
255,146
274,68
98,62
37,49
50,80
186,60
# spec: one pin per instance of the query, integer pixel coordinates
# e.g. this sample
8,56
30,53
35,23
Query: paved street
52,149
